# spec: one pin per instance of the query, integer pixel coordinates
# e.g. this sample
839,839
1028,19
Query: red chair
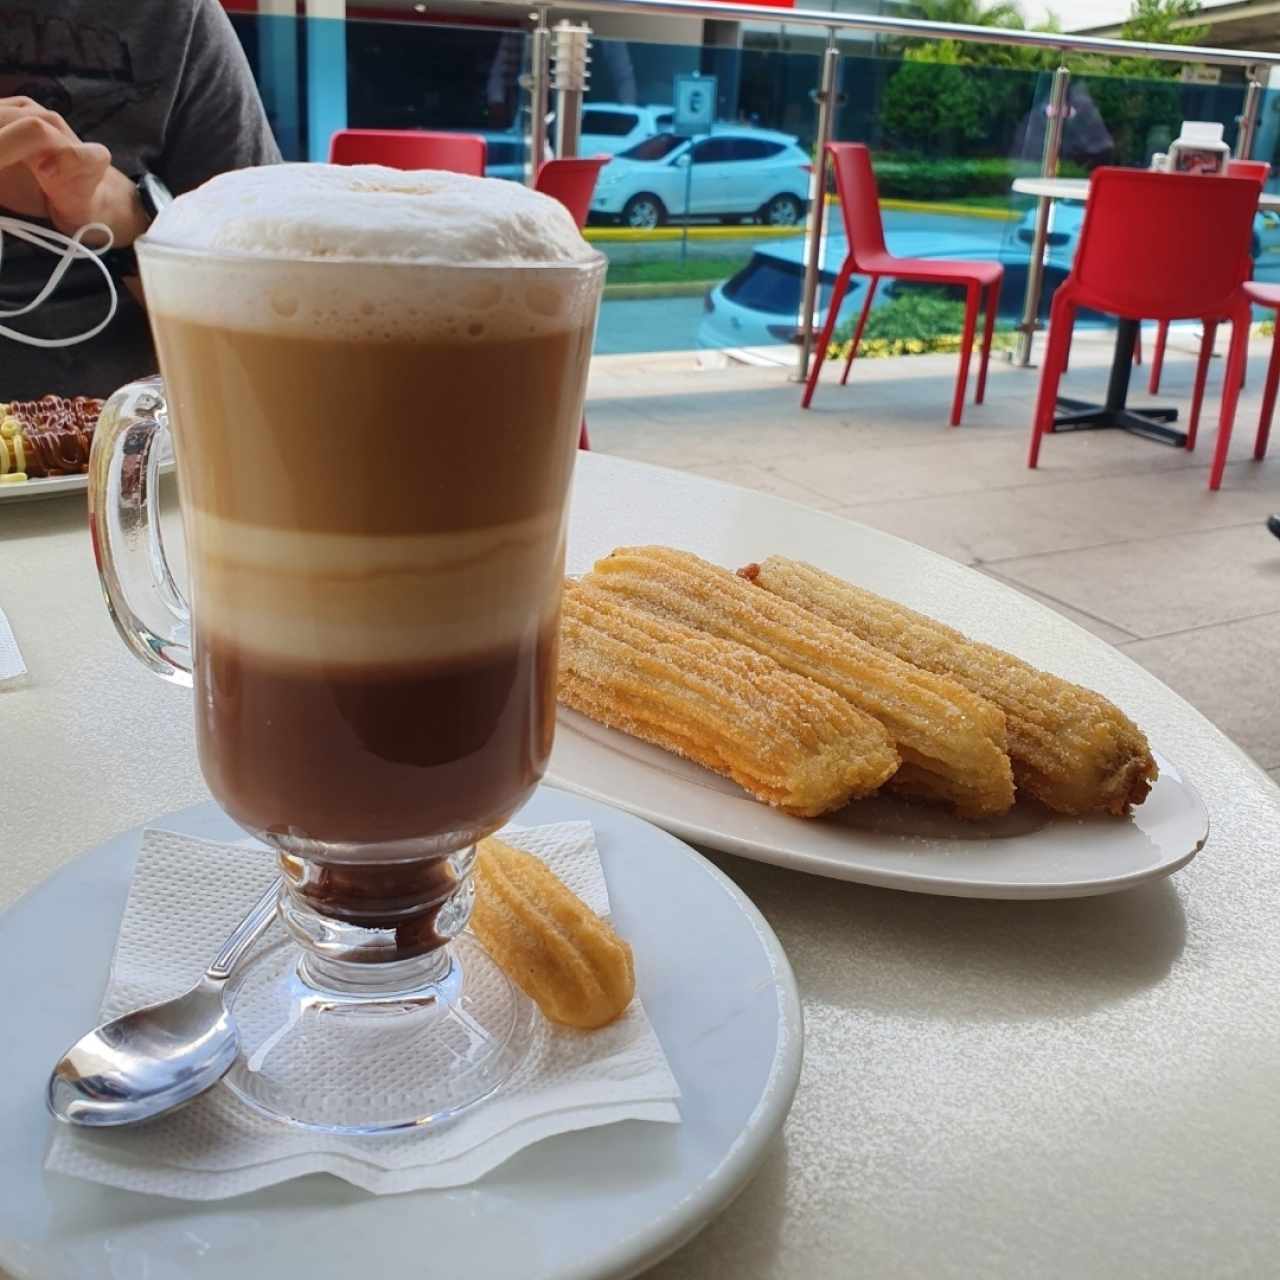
409,149
1158,246
868,256
1259,171
573,183
1265,295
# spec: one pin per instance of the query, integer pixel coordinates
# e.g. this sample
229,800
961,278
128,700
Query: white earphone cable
70,248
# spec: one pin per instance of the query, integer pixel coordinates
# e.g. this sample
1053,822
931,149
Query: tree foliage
935,103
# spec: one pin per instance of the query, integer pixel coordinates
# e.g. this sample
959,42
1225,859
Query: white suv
728,174
610,127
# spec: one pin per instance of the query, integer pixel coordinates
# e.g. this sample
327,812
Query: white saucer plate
606,1202
1029,853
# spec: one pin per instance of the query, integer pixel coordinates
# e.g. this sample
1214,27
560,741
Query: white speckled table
1073,1088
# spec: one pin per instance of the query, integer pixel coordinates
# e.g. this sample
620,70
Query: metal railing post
569,79
1048,169
536,83
1248,120
826,98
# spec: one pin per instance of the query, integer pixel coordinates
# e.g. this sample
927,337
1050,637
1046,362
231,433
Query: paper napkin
11,663
187,895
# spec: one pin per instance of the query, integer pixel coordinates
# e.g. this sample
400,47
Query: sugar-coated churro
547,940
1071,748
953,735
785,739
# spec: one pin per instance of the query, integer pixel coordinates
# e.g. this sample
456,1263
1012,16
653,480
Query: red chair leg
1137,346
584,440
1202,372
819,355
1157,357
1061,324
1268,399
988,329
1230,390
862,323
966,350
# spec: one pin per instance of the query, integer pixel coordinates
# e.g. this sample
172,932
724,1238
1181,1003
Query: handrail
916,28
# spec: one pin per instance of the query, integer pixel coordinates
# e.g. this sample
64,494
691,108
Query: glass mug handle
129,443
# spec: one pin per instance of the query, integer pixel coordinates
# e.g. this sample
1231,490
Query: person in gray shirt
98,100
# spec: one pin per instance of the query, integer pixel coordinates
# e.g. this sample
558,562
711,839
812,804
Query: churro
785,739
949,733
1071,748
567,960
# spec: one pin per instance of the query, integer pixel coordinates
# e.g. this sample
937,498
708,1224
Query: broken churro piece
567,960
1071,748
936,724
783,738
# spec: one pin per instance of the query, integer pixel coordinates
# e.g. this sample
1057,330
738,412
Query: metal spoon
154,1059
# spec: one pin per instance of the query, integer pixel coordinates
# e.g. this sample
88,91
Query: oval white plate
43,487
606,1202
1029,853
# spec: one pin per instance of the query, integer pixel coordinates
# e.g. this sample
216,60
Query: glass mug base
396,1046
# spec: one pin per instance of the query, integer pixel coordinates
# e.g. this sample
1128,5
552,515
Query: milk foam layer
372,213
368,253
362,600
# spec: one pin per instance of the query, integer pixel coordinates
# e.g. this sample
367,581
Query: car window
613,124
769,284
754,148
658,147
664,120
714,150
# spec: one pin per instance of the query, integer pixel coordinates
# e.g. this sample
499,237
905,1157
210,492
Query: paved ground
1119,534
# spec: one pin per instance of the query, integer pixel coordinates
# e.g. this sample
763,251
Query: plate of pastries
776,710
45,444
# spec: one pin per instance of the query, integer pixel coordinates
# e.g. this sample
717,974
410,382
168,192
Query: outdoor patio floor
1117,533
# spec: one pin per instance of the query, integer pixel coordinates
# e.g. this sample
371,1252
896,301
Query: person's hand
46,171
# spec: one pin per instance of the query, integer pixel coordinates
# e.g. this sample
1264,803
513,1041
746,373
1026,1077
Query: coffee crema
375,382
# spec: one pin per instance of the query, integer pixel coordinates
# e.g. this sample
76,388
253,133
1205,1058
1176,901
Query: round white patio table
1006,1089
1078,189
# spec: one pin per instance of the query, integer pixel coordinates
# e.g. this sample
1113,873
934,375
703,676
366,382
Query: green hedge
904,177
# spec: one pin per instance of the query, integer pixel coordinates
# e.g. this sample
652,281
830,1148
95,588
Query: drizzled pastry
51,436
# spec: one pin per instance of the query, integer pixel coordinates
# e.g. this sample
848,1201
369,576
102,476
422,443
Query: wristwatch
153,195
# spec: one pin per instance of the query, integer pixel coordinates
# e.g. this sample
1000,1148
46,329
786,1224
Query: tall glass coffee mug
373,461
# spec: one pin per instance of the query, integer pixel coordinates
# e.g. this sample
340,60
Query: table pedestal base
1083,415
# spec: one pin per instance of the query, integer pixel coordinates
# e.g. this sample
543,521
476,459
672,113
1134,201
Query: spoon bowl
145,1063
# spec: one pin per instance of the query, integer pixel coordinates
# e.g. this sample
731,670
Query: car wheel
782,211
643,212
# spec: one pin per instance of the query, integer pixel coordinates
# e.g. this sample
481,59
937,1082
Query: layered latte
375,381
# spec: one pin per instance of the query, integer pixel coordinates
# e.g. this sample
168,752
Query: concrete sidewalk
1115,532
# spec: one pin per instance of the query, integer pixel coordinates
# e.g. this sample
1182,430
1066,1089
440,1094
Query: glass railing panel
705,230
689,217
318,74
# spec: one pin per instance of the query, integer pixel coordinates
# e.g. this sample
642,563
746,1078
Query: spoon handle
246,934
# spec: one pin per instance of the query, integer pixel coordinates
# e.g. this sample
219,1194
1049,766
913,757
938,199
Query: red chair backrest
572,182
859,198
409,149
1164,246
1258,170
